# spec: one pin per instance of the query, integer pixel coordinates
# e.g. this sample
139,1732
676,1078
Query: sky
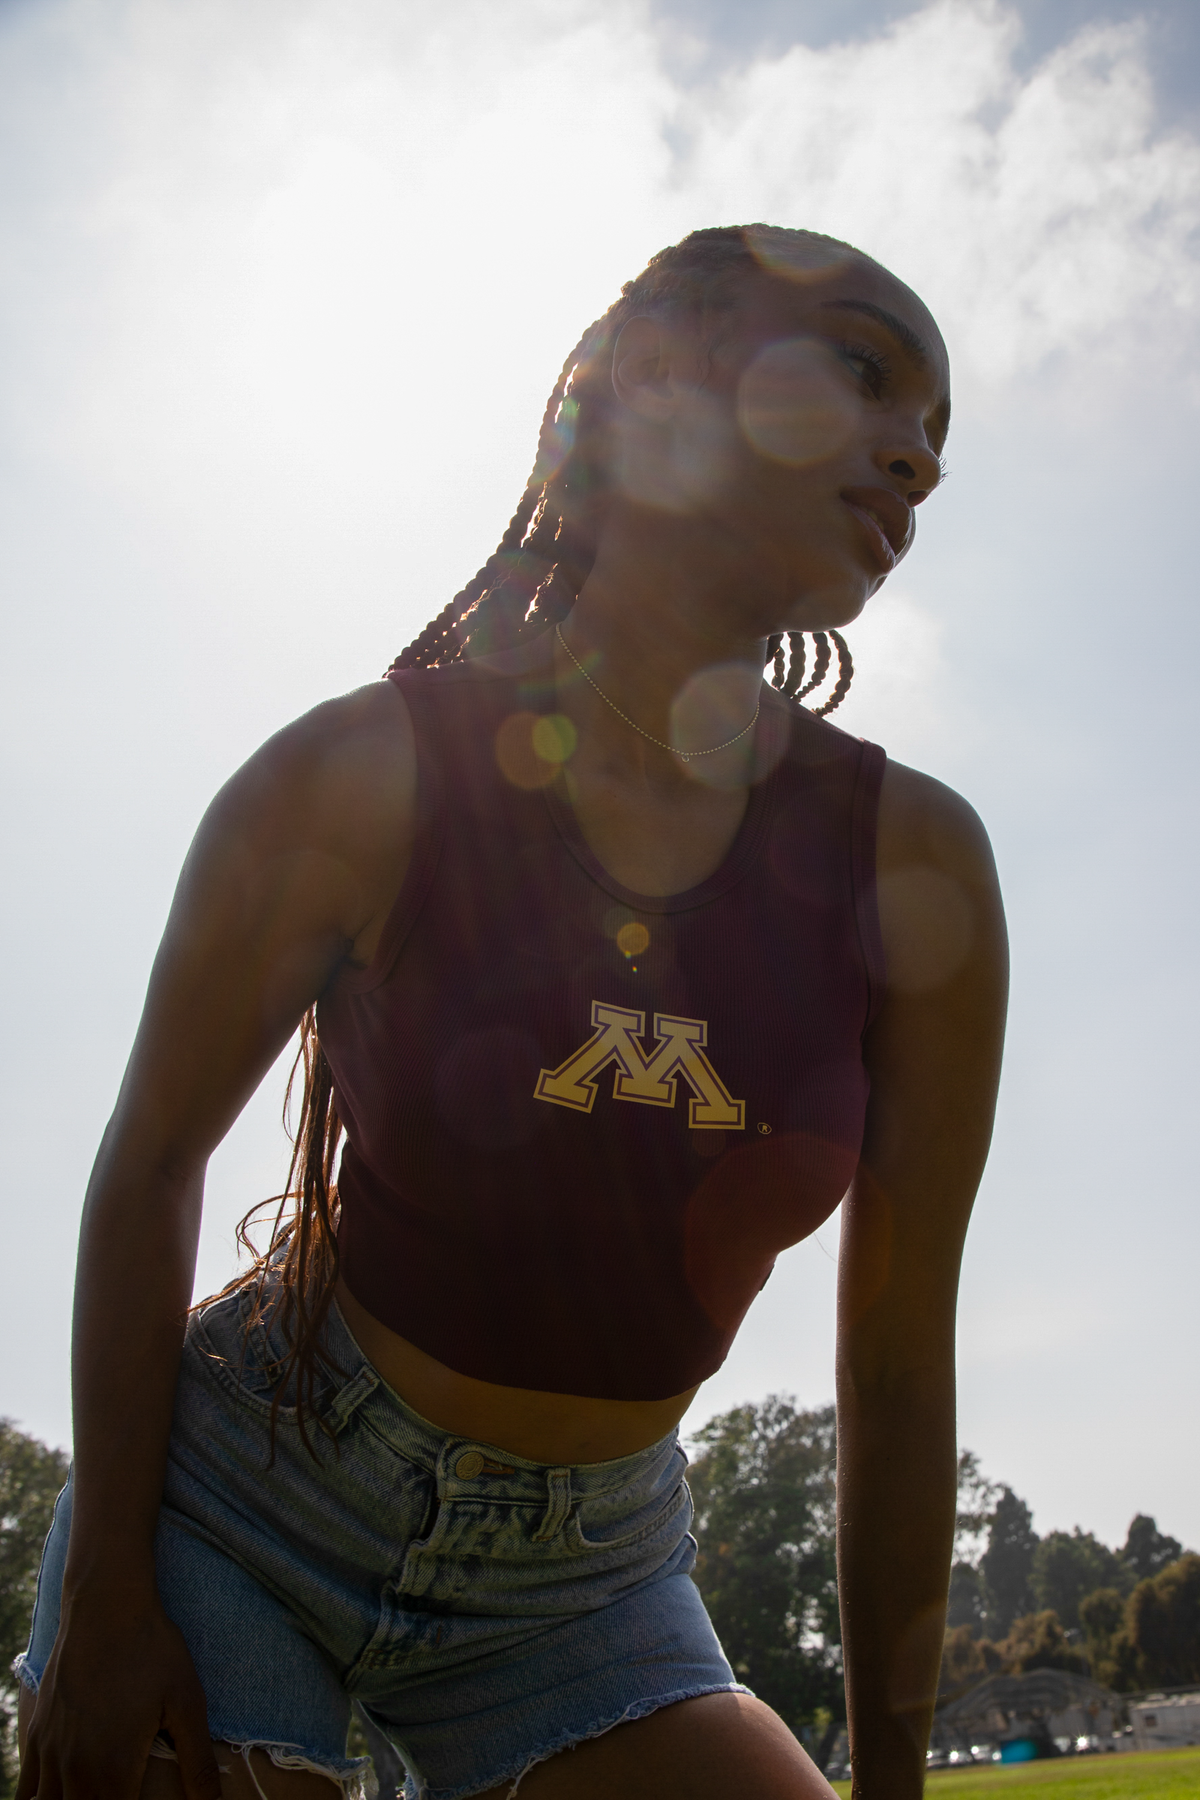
282,291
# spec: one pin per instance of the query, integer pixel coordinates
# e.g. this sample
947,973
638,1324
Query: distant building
1161,1721
1047,1707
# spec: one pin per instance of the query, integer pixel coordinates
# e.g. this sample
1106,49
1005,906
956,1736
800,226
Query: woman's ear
644,376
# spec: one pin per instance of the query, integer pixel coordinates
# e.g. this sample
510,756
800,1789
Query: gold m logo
650,1080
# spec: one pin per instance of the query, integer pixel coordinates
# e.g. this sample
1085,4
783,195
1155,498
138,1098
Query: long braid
523,560
845,676
303,1251
796,665
791,688
440,633
820,664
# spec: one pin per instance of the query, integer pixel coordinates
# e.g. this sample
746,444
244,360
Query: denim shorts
485,1611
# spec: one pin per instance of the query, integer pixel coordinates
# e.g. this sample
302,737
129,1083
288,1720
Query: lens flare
554,738
633,938
532,748
794,403
795,257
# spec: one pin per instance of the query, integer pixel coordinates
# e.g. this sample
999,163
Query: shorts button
469,1466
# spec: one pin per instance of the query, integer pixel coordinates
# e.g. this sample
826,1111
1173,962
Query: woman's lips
886,523
882,551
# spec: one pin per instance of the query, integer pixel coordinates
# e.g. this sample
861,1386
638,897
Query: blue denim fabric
486,1611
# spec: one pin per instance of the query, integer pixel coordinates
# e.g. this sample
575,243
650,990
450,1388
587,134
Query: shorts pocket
607,1524
244,1356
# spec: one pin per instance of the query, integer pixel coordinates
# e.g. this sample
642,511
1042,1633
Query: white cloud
1031,212
902,683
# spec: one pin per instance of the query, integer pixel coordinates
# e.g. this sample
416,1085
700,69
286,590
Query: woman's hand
118,1675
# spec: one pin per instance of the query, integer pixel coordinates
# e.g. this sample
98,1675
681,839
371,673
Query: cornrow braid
790,686
506,568
845,675
820,664
796,666
302,1255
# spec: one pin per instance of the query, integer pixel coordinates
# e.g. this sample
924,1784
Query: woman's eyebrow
904,334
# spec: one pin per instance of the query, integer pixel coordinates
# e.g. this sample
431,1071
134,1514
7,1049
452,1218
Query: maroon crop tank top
581,1122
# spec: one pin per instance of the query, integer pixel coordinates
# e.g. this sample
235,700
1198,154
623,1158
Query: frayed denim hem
641,1709
24,1674
353,1777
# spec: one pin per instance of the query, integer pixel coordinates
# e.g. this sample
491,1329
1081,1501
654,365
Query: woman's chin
828,606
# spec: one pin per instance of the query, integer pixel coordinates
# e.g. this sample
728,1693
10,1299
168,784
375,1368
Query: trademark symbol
764,1128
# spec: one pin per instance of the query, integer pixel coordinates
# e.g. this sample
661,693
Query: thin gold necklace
683,755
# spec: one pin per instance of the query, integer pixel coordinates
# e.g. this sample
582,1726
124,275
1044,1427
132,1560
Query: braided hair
534,575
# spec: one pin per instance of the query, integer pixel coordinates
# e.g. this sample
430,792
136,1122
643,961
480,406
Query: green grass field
1155,1775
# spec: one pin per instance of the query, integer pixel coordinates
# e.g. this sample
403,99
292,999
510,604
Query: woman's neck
662,646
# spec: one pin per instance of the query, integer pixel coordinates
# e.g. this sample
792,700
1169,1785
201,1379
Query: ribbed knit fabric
570,1165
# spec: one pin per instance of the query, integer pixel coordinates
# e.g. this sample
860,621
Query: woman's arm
294,867
933,1056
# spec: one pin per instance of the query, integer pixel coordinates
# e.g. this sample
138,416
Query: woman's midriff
549,1428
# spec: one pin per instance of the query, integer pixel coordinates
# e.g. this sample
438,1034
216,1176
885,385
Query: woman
626,968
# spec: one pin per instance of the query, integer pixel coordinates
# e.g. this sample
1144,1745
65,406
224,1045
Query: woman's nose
917,466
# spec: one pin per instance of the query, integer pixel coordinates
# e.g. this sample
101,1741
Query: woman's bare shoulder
339,766
922,820
940,910
332,793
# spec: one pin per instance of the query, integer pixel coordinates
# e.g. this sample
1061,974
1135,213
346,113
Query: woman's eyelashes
872,368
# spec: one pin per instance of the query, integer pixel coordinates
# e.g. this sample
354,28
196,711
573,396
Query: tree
966,1660
1147,1549
977,1498
1160,1643
976,1504
1007,1563
765,1521
1102,1615
31,1474
1069,1566
1038,1642
964,1604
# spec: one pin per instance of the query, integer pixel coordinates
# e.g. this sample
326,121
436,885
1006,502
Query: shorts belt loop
558,1486
358,1389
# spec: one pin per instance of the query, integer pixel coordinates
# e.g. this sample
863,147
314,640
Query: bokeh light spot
515,753
554,738
633,938
794,405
